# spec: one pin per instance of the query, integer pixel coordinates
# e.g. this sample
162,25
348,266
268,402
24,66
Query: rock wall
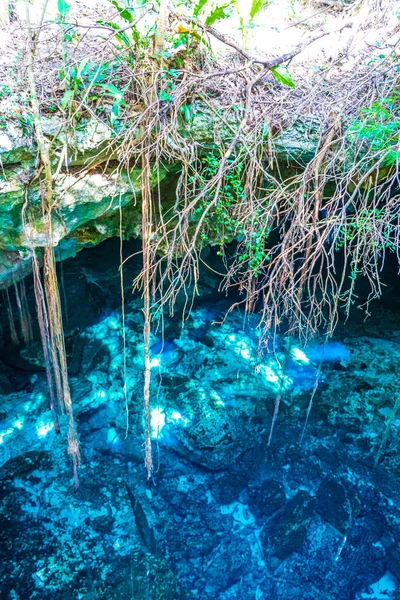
90,185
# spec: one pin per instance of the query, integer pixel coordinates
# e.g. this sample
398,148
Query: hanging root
13,331
49,304
146,237
58,354
24,315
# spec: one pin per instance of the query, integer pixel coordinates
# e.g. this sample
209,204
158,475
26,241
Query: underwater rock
142,523
165,351
394,563
227,564
23,465
12,358
95,354
363,555
226,489
266,498
215,441
151,579
333,504
286,532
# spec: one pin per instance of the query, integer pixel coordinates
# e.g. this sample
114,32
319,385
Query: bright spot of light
245,353
44,428
113,323
240,347
176,416
155,362
4,434
112,436
18,424
269,374
220,403
157,422
300,356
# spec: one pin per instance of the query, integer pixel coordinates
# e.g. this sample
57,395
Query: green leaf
282,75
217,14
109,23
115,111
256,7
199,6
81,68
112,90
187,113
125,13
66,99
63,8
165,96
136,35
123,38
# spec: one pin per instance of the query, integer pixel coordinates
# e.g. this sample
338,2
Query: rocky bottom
225,515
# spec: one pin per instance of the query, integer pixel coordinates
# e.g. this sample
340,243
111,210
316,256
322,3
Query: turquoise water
225,515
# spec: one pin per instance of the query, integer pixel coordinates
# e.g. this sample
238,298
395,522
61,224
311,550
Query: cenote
200,300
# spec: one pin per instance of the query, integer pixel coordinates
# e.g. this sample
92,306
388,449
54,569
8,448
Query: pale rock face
87,200
15,147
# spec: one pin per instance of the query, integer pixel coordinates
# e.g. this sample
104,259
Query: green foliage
379,127
282,75
124,13
118,96
199,7
130,38
67,99
256,7
248,23
218,13
210,12
187,112
5,90
63,8
87,82
363,224
225,222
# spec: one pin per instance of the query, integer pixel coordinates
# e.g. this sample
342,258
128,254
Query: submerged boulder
266,498
333,504
286,532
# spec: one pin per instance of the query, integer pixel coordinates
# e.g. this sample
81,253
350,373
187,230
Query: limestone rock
333,504
286,532
267,498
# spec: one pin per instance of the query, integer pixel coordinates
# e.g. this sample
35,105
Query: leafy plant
87,81
218,13
225,223
379,127
63,8
282,75
247,24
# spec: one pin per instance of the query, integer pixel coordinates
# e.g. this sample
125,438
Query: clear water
225,516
